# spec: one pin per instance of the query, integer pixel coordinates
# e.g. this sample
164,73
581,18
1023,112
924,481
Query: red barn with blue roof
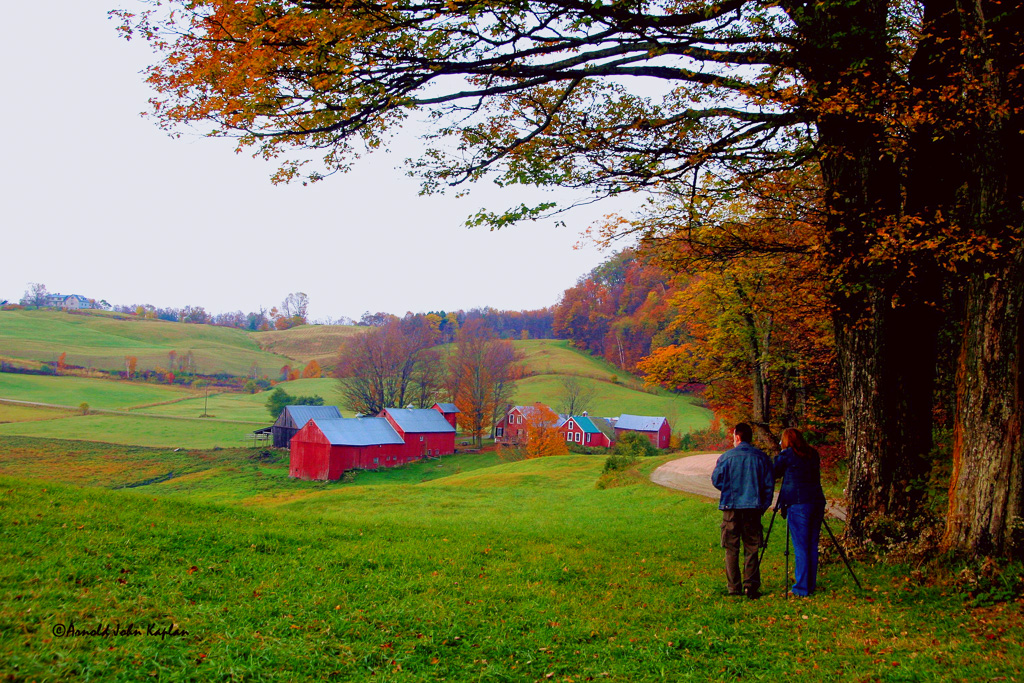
656,429
425,432
325,448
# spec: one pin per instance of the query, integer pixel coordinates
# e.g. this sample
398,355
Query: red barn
425,432
656,429
448,410
587,431
324,448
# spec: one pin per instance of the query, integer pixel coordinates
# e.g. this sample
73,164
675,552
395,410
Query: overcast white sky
97,201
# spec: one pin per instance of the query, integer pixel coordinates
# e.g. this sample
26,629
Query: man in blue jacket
744,476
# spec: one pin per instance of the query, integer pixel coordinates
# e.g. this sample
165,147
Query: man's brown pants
742,526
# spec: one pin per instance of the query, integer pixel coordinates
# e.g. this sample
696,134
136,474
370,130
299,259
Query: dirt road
693,475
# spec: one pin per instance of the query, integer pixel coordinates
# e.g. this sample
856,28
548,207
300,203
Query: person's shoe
753,593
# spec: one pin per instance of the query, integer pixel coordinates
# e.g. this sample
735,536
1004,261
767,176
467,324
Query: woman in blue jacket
803,505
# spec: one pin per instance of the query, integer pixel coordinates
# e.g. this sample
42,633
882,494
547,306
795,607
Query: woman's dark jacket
801,479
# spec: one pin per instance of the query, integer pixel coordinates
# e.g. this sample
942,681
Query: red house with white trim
587,431
656,429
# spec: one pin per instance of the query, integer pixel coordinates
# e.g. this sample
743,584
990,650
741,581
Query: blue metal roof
358,431
639,423
448,408
303,414
420,420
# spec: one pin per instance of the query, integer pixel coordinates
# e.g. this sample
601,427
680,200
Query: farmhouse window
568,436
579,438
421,438
376,461
499,432
588,438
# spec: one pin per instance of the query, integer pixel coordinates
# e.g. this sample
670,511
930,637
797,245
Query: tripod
824,522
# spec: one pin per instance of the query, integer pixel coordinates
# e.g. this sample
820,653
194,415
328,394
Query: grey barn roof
420,420
448,408
639,423
358,431
303,414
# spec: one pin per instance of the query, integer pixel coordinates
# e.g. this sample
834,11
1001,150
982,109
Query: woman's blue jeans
805,529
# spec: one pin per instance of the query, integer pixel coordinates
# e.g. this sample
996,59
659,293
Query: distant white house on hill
69,302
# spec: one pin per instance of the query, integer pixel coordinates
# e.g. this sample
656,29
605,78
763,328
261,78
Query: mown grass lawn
512,572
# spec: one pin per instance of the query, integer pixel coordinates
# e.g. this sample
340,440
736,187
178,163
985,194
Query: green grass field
98,393
139,430
17,413
557,356
522,571
248,407
102,342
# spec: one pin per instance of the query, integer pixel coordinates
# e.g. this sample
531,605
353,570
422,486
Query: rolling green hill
102,342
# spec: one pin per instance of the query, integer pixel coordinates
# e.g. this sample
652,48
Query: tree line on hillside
294,311
904,116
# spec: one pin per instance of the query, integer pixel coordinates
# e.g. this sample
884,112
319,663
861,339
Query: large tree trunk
884,329
986,492
886,365
986,497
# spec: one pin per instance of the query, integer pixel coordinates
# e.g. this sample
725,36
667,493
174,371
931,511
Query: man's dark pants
742,526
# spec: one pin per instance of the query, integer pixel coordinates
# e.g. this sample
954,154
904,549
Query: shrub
634,445
618,461
83,408
280,398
